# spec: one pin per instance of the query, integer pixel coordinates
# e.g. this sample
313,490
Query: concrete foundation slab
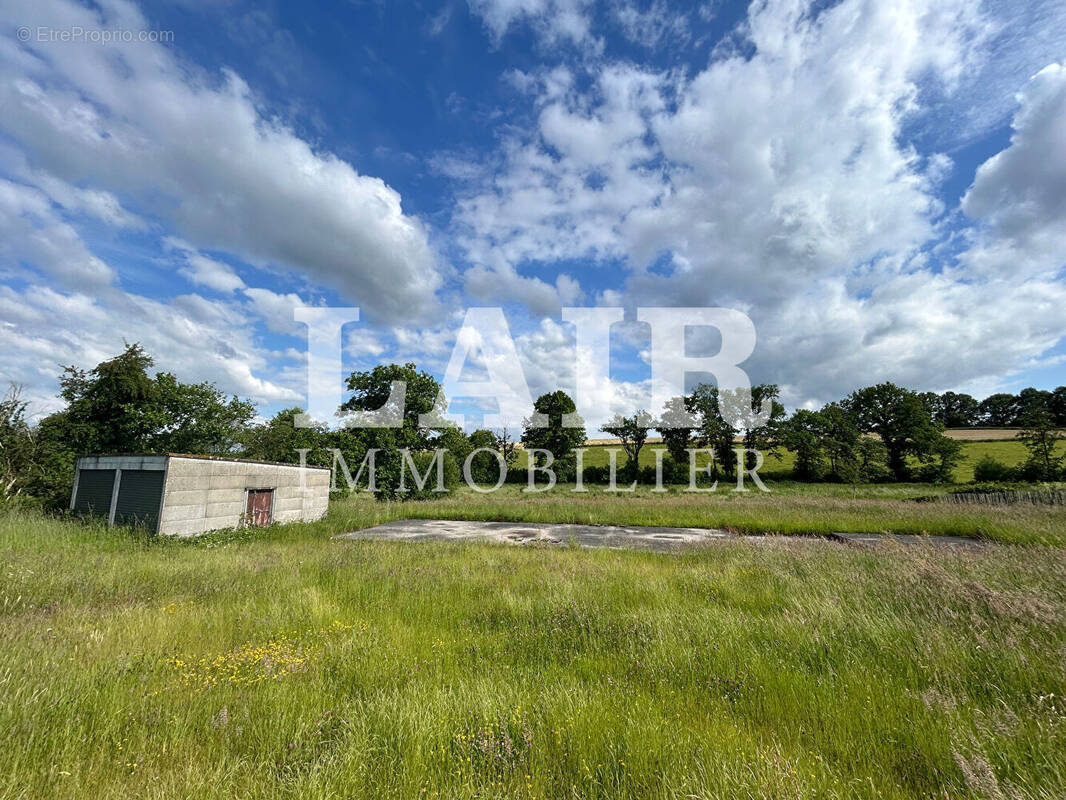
663,540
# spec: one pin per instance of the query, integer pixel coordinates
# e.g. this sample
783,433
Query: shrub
991,470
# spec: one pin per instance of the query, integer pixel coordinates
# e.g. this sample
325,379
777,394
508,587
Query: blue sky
880,186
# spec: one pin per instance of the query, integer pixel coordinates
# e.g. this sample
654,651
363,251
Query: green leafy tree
900,419
112,408
507,446
804,435
558,440
278,439
117,407
675,428
632,432
939,457
842,440
1031,403
748,409
1041,438
953,410
713,431
999,410
484,467
197,418
371,391
1057,406
16,445
455,442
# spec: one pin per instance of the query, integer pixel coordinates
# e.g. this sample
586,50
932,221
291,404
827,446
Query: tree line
878,433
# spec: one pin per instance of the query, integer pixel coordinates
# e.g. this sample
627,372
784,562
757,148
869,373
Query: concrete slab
662,540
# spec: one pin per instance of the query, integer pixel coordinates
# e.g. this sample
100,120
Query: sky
880,186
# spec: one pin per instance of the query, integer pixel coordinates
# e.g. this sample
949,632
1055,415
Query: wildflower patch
281,656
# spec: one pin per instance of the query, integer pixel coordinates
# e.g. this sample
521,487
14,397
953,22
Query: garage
185,495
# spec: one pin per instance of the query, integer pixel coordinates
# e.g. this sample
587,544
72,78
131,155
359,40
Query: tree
999,410
901,420
1041,438
280,440
558,440
197,418
804,434
713,431
747,408
954,410
371,390
1031,402
842,442
507,446
939,458
633,433
1057,406
112,408
455,442
116,407
676,429
485,467
16,444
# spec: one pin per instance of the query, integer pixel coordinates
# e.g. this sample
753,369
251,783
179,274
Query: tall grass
286,664
789,509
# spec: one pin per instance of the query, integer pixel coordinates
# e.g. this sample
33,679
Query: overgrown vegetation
281,663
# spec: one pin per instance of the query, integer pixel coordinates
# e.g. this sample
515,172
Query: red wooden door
259,504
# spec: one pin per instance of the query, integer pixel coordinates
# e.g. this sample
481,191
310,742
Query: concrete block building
184,495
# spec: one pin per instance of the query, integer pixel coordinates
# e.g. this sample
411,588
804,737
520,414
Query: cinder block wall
205,495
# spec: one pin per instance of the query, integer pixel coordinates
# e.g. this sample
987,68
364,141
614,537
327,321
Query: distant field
284,664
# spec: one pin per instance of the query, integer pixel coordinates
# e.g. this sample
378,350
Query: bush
990,470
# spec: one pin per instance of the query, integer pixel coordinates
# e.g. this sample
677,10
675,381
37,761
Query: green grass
287,664
790,508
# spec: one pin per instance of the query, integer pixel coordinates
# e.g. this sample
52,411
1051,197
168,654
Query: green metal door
94,492
139,494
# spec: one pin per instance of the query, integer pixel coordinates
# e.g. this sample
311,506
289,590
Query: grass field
285,664
790,507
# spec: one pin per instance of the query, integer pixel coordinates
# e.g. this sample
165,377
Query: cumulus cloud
1019,195
199,152
779,181
196,338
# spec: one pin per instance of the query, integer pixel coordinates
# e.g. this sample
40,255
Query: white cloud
203,270
554,21
779,182
133,121
196,338
32,232
652,25
1019,195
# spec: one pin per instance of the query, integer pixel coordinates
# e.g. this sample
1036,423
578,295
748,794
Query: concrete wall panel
207,494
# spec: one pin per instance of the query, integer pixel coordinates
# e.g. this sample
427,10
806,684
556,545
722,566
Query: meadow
281,662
